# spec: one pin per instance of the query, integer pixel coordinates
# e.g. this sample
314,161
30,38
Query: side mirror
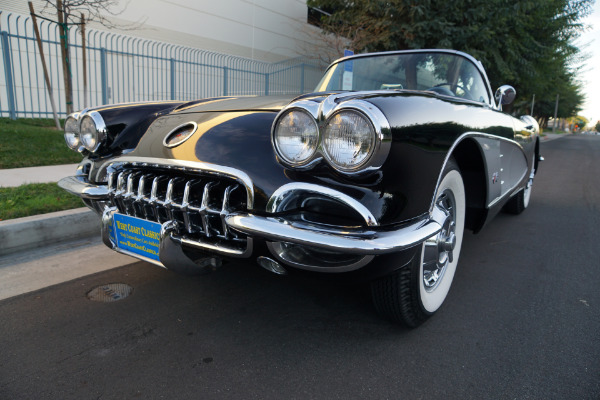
505,95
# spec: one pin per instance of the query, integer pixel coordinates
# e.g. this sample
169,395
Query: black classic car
373,177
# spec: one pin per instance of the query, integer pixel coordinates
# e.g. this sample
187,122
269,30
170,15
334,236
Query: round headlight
72,134
348,140
296,137
92,131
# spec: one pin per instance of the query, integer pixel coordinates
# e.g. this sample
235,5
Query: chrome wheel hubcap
439,249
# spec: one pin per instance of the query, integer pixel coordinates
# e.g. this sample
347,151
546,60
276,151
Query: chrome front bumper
364,243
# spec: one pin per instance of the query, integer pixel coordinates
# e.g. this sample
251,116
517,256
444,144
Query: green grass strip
30,142
35,198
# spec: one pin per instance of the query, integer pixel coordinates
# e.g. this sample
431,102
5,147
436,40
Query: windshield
443,73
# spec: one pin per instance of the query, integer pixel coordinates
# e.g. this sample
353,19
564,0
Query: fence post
225,69
10,88
267,84
302,78
172,79
104,75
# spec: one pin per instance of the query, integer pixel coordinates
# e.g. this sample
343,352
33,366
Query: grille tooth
158,198
185,203
129,194
120,192
199,205
171,199
121,179
138,204
225,210
205,210
143,197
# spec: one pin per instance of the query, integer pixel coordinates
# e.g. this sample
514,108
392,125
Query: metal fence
121,69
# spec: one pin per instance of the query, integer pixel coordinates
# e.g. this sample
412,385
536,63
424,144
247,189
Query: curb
21,234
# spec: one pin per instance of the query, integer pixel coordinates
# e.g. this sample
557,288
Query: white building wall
267,30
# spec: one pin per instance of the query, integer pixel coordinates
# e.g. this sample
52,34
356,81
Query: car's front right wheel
415,292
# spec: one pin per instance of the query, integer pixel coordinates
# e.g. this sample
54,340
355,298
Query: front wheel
415,292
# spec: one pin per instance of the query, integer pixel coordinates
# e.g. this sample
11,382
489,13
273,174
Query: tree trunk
64,51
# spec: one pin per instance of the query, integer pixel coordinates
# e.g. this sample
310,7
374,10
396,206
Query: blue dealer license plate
137,236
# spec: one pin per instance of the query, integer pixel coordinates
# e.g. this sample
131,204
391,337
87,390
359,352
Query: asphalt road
522,321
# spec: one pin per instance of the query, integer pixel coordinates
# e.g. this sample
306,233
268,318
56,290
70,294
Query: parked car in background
373,177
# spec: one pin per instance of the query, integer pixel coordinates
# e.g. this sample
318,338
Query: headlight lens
296,137
348,140
90,137
72,134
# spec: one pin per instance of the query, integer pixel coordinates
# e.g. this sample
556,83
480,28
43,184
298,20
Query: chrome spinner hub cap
438,250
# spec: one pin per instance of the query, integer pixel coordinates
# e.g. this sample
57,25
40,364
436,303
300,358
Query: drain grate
110,292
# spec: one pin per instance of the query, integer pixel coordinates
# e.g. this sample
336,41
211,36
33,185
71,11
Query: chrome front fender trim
356,241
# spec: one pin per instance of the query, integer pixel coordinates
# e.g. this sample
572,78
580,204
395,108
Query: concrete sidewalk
19,176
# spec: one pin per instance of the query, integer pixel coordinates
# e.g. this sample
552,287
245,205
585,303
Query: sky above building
590,74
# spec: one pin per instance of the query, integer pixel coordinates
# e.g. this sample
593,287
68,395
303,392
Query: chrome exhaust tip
271,265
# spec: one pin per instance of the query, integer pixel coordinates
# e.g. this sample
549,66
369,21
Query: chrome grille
199,204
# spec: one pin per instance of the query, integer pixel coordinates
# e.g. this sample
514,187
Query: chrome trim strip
80,186
216,249
453,147
366,242
289,189
183,165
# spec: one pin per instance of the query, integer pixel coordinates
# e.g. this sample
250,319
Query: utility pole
532,103
555,114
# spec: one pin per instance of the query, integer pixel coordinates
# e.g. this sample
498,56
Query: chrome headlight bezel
305,156
323,113
93,139
71,134
342,135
